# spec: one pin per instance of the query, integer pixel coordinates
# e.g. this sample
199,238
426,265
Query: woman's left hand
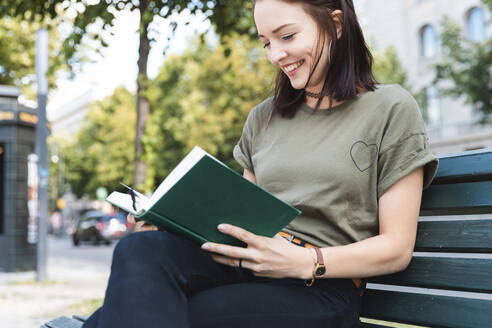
267,257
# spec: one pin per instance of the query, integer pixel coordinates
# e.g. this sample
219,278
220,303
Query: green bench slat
472,236
427,310
465,167
459,198
471,275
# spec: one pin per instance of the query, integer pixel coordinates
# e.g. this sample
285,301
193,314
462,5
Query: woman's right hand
139,225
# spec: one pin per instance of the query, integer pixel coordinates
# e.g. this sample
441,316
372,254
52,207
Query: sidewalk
73,287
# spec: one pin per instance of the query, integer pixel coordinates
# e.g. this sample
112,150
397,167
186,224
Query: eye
266,44
288,37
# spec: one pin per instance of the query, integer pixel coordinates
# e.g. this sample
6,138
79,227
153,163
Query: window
476,25
429,42
433,106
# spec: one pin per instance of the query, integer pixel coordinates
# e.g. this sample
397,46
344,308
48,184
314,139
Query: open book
202,192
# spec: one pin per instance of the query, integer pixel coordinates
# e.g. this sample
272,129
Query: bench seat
449,280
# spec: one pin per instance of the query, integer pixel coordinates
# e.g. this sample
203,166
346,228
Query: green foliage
465,69
388,69
227,16
163,151
17,54
488,4
202,98
16,51
102,152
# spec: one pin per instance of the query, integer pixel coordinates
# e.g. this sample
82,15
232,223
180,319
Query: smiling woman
351,155
320,50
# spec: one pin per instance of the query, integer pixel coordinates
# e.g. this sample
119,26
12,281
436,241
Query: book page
124,201
177,173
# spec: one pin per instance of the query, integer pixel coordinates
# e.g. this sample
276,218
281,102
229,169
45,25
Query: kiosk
18,227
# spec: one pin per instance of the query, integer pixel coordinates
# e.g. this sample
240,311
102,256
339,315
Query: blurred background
134,85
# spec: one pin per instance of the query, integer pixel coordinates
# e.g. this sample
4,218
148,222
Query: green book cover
200,193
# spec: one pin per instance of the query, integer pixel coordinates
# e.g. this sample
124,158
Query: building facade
67,119
413,27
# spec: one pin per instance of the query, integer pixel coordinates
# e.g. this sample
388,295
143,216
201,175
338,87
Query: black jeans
162,280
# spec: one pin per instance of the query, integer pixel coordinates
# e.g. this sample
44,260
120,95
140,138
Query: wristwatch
319,267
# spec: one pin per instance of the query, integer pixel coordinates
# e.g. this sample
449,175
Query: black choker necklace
312,94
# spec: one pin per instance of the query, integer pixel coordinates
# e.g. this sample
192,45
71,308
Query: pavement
75,285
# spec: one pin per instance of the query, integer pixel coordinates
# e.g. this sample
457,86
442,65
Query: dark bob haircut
350,68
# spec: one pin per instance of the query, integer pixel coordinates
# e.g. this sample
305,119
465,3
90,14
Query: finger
240,233
245,264
130,218
227,250
143,226
232,262
148,227
138,225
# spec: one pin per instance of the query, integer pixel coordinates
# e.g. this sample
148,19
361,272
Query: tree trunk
143,106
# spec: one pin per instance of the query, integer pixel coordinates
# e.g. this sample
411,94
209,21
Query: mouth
291,69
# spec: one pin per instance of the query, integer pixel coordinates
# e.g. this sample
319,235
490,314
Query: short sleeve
404,146
244,149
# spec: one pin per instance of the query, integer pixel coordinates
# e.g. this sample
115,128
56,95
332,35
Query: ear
337,16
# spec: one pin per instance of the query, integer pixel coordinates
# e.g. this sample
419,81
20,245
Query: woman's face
292,42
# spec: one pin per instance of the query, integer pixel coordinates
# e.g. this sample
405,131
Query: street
64,248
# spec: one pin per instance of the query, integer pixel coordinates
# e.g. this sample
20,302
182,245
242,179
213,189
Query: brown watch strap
319,255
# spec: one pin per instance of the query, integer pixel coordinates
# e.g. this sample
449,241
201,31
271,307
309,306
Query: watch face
320,270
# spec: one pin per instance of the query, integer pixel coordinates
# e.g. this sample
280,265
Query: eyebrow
278,29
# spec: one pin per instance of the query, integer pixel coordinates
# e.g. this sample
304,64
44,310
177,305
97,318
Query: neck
325,102
313,98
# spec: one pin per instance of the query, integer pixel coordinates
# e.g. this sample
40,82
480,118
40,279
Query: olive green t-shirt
334,164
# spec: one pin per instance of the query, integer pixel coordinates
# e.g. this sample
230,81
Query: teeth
292,67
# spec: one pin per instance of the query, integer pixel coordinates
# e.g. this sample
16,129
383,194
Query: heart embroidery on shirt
363,155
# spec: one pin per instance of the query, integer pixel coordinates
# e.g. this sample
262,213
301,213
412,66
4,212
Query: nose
276,55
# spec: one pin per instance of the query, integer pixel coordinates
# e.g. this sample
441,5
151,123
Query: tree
227,16
101,154
17,55
202,98
466,67
388,69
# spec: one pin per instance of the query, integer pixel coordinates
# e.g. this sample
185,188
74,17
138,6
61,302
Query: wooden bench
449,281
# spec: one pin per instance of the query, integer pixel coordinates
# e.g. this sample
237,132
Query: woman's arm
249,175
389,251
392,249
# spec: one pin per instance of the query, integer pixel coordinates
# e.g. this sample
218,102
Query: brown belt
298,241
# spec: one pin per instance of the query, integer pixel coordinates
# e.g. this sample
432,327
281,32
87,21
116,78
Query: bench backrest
449,280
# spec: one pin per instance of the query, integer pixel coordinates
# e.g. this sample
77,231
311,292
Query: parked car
96,227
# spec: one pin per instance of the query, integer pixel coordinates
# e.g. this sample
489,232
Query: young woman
351,155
